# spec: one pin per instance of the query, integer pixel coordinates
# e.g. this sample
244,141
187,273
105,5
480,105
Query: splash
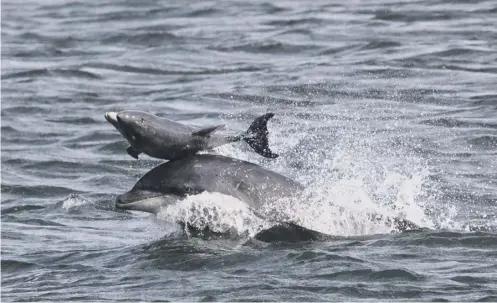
74,201
350,175
340,207
219,212
364,177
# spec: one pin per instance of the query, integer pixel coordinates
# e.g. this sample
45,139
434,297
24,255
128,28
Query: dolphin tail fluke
257,136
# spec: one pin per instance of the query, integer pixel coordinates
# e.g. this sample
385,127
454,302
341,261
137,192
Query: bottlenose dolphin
166,139
172,181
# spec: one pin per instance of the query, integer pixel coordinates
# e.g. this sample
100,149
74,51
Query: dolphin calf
172,181
166,139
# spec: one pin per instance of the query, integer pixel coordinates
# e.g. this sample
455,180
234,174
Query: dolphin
172,181
166,139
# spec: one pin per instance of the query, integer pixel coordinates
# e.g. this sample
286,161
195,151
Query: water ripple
50,73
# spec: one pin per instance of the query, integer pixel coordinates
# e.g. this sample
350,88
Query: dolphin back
246,181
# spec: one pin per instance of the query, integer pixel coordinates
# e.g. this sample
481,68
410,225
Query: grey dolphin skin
166,139
172,181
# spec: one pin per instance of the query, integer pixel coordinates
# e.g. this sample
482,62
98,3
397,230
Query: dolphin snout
111,117
144,200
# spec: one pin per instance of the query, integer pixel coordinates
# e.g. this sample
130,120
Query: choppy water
380,105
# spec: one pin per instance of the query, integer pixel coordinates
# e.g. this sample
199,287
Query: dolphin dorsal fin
208,131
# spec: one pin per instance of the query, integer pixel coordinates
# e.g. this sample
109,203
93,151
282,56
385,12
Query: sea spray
366,170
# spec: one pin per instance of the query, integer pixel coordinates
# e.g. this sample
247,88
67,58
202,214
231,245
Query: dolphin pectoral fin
133,152
257,136
207,132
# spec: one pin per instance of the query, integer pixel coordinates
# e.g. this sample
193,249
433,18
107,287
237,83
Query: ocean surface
380,106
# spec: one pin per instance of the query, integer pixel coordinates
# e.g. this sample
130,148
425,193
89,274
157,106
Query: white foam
347,180
221,213
74,201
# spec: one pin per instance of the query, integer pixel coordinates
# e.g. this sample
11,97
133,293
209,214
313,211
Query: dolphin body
174,180
166,139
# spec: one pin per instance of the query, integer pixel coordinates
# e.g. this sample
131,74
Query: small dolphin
172,181
169,140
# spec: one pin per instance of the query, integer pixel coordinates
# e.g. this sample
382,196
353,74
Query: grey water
386,106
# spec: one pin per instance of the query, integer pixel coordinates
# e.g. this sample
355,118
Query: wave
156,71
441,238
36,191
13,266
415,16
52,72
484,142
372,275
149,39
20,208
453,122
273,47
295,21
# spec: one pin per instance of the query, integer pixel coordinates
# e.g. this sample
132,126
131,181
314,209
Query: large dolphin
172,181
166,139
